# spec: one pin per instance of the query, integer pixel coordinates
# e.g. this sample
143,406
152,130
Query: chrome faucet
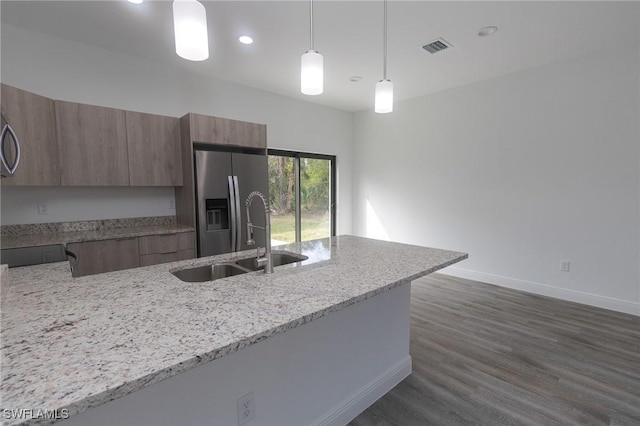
266,260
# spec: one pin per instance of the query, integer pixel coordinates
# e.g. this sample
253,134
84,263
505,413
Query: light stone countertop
43,239
76,343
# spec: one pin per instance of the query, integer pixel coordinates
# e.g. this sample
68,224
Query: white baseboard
610,303
367,395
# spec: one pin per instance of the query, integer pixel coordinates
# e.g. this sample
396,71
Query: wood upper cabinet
223,131
32,117
92,144
155,158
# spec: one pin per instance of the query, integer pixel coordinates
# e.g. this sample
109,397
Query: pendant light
384,88
311,74
190,26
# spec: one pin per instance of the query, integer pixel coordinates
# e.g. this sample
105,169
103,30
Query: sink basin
209,272
204,273
278,259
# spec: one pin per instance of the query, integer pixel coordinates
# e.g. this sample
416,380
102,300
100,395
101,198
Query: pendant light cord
311,25
384,43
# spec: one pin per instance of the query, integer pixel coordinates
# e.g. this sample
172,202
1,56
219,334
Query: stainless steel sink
278,259
204,273
210,272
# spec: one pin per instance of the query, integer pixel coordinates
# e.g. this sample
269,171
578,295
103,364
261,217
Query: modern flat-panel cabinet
156,249
32,117
223,131
92,145
155,157
203,129
95,257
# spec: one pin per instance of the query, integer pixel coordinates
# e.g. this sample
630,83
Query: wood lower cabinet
92,143
95,257
153,142
223,131
32,117
155,249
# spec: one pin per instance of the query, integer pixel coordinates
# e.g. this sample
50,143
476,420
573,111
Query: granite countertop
41,234
76,343
13,241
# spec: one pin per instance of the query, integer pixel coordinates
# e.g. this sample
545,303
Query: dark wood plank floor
486,355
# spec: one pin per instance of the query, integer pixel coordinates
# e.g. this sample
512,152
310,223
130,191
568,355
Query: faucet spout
268,264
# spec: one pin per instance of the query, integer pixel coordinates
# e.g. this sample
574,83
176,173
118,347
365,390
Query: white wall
68,204
522,172
72,71
309,375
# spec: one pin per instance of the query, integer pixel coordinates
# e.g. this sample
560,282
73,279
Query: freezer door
253,175
214,205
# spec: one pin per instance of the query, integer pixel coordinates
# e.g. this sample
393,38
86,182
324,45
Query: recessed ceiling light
487,31
355,78
135,1
245,39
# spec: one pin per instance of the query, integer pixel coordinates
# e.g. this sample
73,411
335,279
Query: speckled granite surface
74,344
4,280
85,225
40,234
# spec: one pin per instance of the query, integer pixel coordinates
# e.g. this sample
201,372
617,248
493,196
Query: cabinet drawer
167,243
156,258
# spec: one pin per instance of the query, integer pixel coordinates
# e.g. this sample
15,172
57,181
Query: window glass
301,192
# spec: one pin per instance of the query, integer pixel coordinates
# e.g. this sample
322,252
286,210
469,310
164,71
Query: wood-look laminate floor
486,355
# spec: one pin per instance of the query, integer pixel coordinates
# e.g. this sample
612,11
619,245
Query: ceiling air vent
436,45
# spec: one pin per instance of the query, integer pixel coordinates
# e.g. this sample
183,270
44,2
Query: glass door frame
297,155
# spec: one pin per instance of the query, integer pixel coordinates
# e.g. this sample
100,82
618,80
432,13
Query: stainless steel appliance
9,148
224,180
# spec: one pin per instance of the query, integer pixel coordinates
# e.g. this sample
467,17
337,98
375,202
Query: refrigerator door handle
238,215
232,202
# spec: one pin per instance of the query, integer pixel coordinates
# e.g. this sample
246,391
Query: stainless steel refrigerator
224,180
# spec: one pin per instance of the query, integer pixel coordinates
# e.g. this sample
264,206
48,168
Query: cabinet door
154,150
158,258
92,144
223,131
167,243
155,249
32,117
95,257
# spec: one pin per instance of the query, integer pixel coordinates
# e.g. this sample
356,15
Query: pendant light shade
190,25
311,74
384,96
384,88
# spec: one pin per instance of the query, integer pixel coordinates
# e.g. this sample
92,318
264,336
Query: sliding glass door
301,196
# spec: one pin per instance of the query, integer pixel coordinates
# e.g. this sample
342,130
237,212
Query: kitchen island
315,342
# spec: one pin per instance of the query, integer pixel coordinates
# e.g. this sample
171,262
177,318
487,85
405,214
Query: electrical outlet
172,204
246,409
42,209
565,266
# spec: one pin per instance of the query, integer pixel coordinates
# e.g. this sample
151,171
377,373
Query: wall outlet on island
246,409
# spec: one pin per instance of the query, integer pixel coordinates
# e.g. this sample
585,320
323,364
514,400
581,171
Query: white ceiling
349,36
